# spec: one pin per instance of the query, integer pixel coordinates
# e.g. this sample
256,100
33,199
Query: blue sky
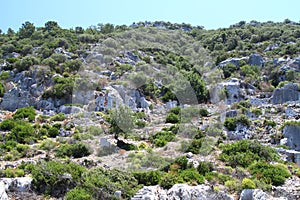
210,14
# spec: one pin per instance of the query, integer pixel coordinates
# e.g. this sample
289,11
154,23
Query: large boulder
20,184
289,92
234,61
3,195
293,64
27,89
291,132
182,192
236,90
256,59
254,194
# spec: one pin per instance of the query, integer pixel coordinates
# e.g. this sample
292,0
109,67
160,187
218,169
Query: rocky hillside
150,111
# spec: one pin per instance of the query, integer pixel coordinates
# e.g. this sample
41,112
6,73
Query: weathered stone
20,184
271,47
69,109
254,194
237,90
64,133
256,59
289,92
231,113
234,61
3,195
182,192
291,132
27,90
118,194
189,155
293,64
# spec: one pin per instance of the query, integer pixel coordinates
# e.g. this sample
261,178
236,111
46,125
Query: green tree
121,120
27,30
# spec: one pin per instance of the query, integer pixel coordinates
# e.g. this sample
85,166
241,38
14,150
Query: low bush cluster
245,152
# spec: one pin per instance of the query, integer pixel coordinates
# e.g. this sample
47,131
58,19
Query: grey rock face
3,195
254,194
29,86
293,64
20,184
237,90
234,61
182,192
288,92
69,109
256,59
231,113
292,133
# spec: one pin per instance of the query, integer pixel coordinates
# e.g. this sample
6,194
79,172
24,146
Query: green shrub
147,160
47,145
218,177
22,149
78,194
191,176
23,133
2,90
233,185
12,173
248,184
149,177
58,117
140,124
175,110
203,112
245,152
76,150
205,167
194,146
269,123
172,118
55,178
270,174
102,183
26,112
182,161
160,139
256,111
53,132
7,124
244,104
168,180
231,122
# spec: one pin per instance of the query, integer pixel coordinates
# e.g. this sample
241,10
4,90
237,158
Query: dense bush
168,180
76,150
56,178
26,112
244,104
191,176
160,139
248,184
102,183
195,144
205,167
148,177
270,174
78,194
245,152
2,90
58,117
172,118
232,122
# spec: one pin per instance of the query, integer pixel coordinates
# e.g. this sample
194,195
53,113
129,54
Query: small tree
121,120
